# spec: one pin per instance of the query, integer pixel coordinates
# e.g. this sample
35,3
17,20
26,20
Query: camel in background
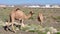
19,15
40,18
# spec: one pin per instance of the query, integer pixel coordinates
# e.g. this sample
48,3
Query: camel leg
19,24
41,18
13,25
22,24
41,22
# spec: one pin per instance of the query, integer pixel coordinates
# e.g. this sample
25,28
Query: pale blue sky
18,2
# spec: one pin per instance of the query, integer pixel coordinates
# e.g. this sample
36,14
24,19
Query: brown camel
19,15
40,18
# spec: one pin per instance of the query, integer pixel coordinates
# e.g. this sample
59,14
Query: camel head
31,12
30,15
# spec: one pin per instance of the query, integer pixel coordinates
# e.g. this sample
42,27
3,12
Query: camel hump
16,9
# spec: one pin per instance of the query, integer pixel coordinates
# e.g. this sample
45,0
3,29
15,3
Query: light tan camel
19,15
40,18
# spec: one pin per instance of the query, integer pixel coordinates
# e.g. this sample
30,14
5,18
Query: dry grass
51,16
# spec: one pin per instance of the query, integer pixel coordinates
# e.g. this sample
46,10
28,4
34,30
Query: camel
19,15
40,18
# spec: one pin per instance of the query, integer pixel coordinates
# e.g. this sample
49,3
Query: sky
19,2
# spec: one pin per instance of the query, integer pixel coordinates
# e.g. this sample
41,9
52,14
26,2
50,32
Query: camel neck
28,16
